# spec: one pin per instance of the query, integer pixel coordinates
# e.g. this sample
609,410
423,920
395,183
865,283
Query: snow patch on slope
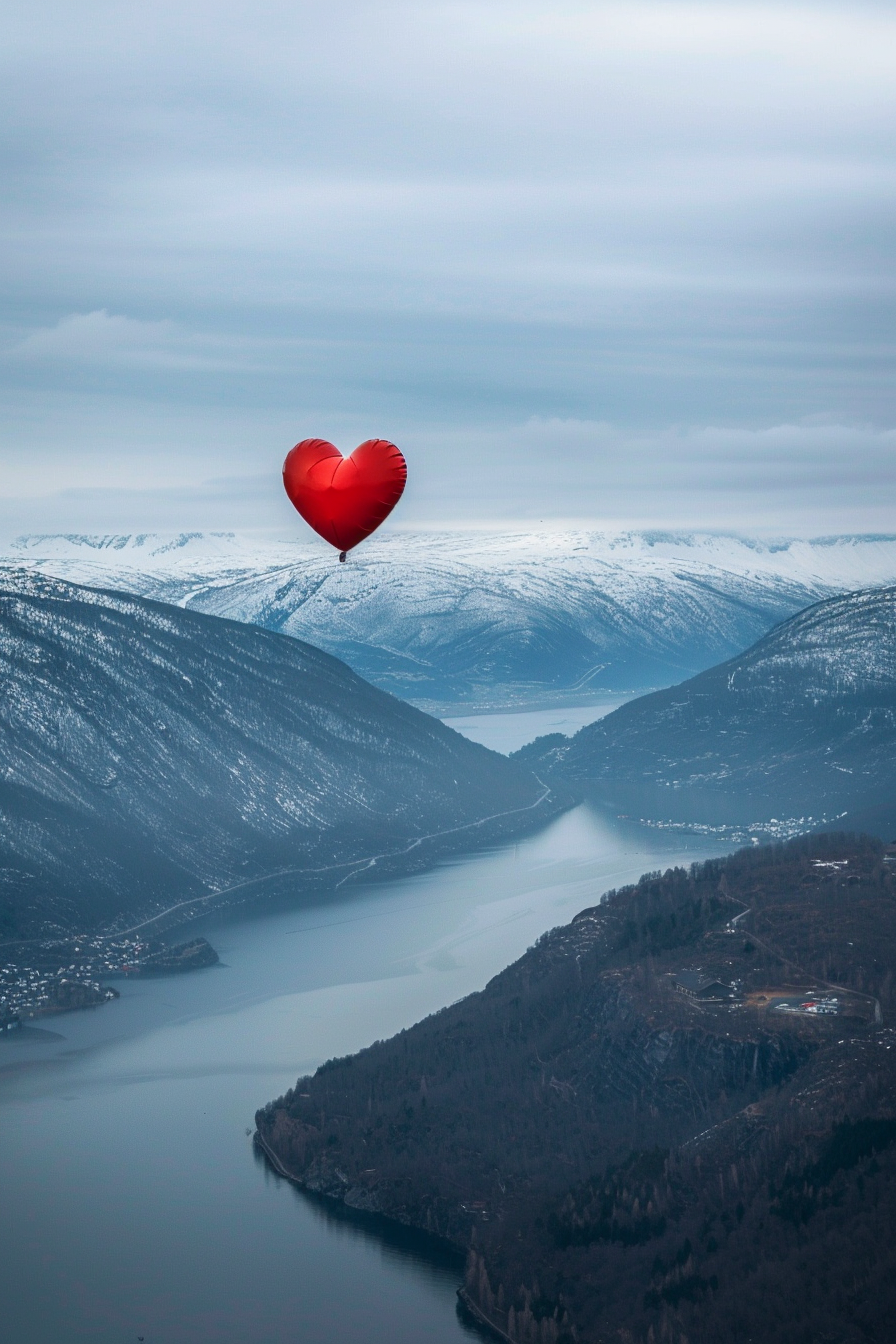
490,619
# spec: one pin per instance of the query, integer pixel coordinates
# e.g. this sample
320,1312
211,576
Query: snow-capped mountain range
150,756
450,620
801,725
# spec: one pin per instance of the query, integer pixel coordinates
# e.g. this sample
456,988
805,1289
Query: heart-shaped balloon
344,498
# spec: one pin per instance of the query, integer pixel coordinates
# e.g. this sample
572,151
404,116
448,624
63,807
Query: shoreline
416,856
479,1316
274,1160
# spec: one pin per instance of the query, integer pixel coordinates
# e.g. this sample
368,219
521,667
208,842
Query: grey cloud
786,480
226,226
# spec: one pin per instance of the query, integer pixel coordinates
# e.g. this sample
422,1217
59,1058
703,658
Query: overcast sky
630,263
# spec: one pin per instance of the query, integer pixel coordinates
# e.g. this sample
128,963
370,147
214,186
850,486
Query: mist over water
133,1203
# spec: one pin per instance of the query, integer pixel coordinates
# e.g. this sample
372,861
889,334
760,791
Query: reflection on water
131,1203
395,1242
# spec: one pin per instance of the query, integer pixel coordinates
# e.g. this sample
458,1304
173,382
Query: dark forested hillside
673,1119
149,755
802,725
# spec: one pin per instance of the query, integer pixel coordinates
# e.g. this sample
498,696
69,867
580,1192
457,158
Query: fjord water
132,1203
508,732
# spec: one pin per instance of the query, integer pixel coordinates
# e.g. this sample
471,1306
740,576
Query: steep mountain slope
802,724
625,1162
149,755
457,619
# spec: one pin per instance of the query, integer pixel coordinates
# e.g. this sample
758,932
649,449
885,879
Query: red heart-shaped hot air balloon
344,498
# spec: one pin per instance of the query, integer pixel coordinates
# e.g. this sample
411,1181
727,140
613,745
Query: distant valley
802,726
151,757
453,621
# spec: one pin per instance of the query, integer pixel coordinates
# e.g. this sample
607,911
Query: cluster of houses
31,990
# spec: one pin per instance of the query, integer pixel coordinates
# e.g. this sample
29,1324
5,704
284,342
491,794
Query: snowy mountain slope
148,754
802,724
453,619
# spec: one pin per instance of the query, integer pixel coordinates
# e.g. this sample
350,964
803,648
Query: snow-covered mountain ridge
801,725
150,755
490,619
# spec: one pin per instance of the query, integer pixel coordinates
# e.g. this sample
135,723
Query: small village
59,977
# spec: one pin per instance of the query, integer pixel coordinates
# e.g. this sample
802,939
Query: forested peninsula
658,1121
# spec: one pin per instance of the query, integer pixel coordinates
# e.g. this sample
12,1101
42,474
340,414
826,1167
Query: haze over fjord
625,263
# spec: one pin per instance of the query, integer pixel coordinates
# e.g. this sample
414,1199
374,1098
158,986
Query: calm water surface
131,1202
509,732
